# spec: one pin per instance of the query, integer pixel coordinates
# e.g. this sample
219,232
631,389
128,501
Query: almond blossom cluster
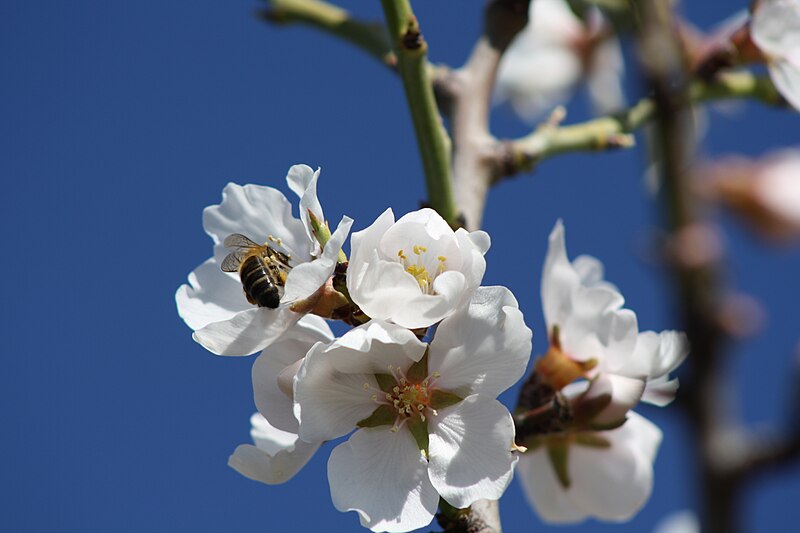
413,385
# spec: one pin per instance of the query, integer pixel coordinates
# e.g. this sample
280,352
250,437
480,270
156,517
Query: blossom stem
481,517
615,131
432,139
367,36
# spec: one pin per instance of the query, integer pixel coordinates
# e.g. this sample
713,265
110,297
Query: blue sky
122,120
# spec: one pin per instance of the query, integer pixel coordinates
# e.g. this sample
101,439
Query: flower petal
559,279
211,296
271,400
483,348
470,451
423,310
256,212
614,483
479,238
625,394
544,491
660,391
785,75
329,389
382,476
434,224
302,181
673,349
775,26
362,248
373,347
473,247
247,332
276,457
306,278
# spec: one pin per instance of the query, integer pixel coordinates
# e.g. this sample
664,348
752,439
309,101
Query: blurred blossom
765,192
426,416
553,54
679,522
415,271
213,303
776,32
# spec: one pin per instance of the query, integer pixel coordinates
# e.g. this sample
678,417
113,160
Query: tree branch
698,283
475,161
368,36
432,139
606,133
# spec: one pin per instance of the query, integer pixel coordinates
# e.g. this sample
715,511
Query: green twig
368,36
432,139
615,131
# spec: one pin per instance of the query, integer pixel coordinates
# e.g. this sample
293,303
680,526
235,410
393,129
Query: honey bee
262,269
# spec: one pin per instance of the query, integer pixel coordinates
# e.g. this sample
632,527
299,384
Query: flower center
417,267
409,398
404,398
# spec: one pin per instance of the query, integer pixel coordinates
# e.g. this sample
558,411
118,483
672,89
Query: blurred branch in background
606,133
727,454
368,36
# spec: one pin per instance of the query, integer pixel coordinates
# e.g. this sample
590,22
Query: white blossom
213,303
278,453
776,31
596,333
427,419
416,271
550,57
600,464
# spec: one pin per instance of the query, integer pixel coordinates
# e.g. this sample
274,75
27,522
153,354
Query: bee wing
237,240
233,260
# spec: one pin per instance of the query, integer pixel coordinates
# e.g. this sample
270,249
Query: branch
615,131
698,283
432,139
369,37
469,91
